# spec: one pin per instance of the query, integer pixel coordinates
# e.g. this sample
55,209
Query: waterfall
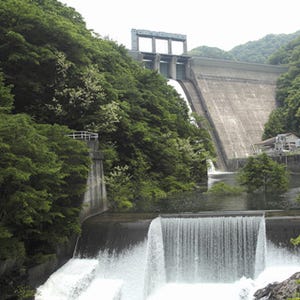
69,281
221,257
155,266
208,249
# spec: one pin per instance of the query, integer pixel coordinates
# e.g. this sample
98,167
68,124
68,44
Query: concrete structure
237,99
167,64
95,199
284,142
136,34
116,232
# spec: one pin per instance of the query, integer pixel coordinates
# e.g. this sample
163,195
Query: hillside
253,51
286,118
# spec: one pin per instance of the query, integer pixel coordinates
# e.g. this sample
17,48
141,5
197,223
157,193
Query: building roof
271,141
267,142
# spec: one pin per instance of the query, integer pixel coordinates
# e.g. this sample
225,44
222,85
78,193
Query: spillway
223,256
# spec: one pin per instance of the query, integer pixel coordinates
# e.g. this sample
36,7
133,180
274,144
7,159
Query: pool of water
197,201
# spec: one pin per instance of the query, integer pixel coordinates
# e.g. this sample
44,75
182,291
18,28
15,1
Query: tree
42,180
211,52
260,50
6,98
276,124
261,173
62,73
286,118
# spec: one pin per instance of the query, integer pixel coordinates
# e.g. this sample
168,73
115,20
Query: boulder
286,289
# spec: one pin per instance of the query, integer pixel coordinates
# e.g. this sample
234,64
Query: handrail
84,135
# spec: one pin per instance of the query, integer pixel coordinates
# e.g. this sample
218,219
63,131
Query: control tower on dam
237,99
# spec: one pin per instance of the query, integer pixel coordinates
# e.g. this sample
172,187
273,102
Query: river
142,256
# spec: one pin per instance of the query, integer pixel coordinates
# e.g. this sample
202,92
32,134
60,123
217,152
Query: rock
288,288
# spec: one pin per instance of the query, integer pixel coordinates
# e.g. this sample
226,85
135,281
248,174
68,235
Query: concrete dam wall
95,198
236,98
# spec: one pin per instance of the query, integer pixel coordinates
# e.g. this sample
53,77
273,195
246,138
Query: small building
284,142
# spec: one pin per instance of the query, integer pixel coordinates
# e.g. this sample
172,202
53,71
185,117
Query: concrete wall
118,232
237,99
280,230
95,198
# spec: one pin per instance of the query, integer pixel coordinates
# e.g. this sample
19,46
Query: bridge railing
84,135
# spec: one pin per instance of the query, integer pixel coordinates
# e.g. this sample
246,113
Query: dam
235,98
217,254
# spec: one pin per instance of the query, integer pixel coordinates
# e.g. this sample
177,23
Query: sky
215,23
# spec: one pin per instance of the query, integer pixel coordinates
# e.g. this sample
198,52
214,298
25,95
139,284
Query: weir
198,250
169,253
193,251
204,249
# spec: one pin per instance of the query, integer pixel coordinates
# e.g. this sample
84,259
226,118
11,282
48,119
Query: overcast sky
216,23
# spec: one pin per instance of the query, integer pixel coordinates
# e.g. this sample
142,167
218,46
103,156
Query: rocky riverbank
287,289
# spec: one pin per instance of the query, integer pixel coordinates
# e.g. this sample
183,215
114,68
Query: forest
56,76
286,118
259,51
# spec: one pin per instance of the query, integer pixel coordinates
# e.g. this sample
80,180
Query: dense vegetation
211,52
57,76
262,174
286,118
260,51
67,75
254,51
42,179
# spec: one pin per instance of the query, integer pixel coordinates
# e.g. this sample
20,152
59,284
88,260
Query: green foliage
62,74
223,189
259,51
119,184
6,98
286,118
23,292
42,178
276,124
261,173
211,52
295,241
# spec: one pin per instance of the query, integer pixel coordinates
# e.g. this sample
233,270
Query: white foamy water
69,281
141,272
108,288
176,85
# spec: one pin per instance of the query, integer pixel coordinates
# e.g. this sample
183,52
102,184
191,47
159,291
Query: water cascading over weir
182,250
201,250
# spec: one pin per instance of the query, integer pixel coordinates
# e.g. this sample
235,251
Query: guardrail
84,135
